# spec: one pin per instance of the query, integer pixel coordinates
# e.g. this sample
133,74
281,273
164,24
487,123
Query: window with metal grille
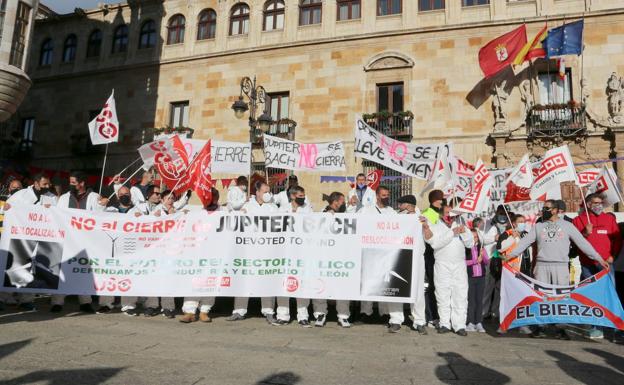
207,25
348,9
18,45
273,15
398,184
120,39
310,12
239,19
94,44
147,36
69,48
430,5
389,7
175,29
553,88
179,115
278,109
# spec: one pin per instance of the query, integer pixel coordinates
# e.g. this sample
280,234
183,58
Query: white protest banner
554,168
289,155
407,158
342,256
226,157
104,128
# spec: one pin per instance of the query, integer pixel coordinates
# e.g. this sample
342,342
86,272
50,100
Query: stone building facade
180,63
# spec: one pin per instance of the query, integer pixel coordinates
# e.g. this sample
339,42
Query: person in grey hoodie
553,236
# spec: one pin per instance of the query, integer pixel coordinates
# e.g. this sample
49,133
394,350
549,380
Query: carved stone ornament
499,104
389,60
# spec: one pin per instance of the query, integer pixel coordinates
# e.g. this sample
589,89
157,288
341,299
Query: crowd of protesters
463,259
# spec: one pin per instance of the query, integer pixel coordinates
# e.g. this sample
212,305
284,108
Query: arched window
47,49
273,15
69,48
94,44
120,39
175,29
239,19
207,24
147,36
310,12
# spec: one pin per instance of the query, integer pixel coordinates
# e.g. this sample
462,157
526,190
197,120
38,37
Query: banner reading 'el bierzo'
345,256
290,155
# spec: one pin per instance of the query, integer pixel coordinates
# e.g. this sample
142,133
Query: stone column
499,141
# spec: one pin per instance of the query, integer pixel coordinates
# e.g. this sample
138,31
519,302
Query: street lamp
256,95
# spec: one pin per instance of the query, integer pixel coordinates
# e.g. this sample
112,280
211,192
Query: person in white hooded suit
448,238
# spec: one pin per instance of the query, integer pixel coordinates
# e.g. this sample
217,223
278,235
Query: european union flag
565,40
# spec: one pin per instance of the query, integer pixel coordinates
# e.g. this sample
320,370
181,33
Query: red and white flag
199,174
587,177
173,167
478,197
159,151
441,176
606,185
518,183
556,167
104,128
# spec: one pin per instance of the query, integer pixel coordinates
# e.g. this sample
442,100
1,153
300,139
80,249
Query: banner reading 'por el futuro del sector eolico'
346,256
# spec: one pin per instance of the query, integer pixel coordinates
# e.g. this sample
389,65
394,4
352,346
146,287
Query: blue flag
565,40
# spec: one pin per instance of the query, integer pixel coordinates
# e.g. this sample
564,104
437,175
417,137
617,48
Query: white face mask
266,197
244,188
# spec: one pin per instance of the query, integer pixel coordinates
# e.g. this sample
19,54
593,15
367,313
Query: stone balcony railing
556,120
396,125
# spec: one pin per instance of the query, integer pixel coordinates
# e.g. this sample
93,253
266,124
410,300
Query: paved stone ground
41,348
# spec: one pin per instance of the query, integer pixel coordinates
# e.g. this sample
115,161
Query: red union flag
173,166
586,177
374,178
556,167
199,174
478,197
104,128
158,151
605,184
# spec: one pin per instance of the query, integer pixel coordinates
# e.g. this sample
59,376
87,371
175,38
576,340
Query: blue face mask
521,227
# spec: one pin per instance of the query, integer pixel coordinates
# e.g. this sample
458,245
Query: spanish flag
533,49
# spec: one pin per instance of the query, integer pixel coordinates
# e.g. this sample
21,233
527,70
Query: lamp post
256,95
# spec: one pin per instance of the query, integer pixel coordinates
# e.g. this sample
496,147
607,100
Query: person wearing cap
436,200
553,236
407,205
283,198
360,195
449,239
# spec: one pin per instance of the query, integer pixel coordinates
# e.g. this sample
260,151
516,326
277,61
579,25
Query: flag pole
127,167
584,203
124,182
182,177
103,169
615,185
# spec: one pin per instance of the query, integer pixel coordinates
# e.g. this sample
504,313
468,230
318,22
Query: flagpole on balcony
103,168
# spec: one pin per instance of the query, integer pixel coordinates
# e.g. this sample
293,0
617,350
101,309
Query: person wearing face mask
603,233
36,194
260,203
553,236
393,309
140,192
296,205
407,205
489,237
432,214
336,205
449,238
237,194
152,205
204,304
361,195
283,198
79,197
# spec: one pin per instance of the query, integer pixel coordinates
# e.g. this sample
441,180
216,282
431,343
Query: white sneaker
320,321
343,322
471,328
480,328
525,330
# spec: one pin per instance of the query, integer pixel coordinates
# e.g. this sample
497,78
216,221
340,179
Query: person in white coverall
139,193
237,194
205,304
395,310
260,203
37,194
82,198
296,205
407,205
448,238
361,195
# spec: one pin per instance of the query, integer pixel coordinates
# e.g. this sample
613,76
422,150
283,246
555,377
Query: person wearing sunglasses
553,236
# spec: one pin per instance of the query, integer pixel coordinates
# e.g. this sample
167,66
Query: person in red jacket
603,233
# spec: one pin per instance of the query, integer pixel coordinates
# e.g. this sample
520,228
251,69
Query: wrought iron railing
397,124
283,128
556,120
